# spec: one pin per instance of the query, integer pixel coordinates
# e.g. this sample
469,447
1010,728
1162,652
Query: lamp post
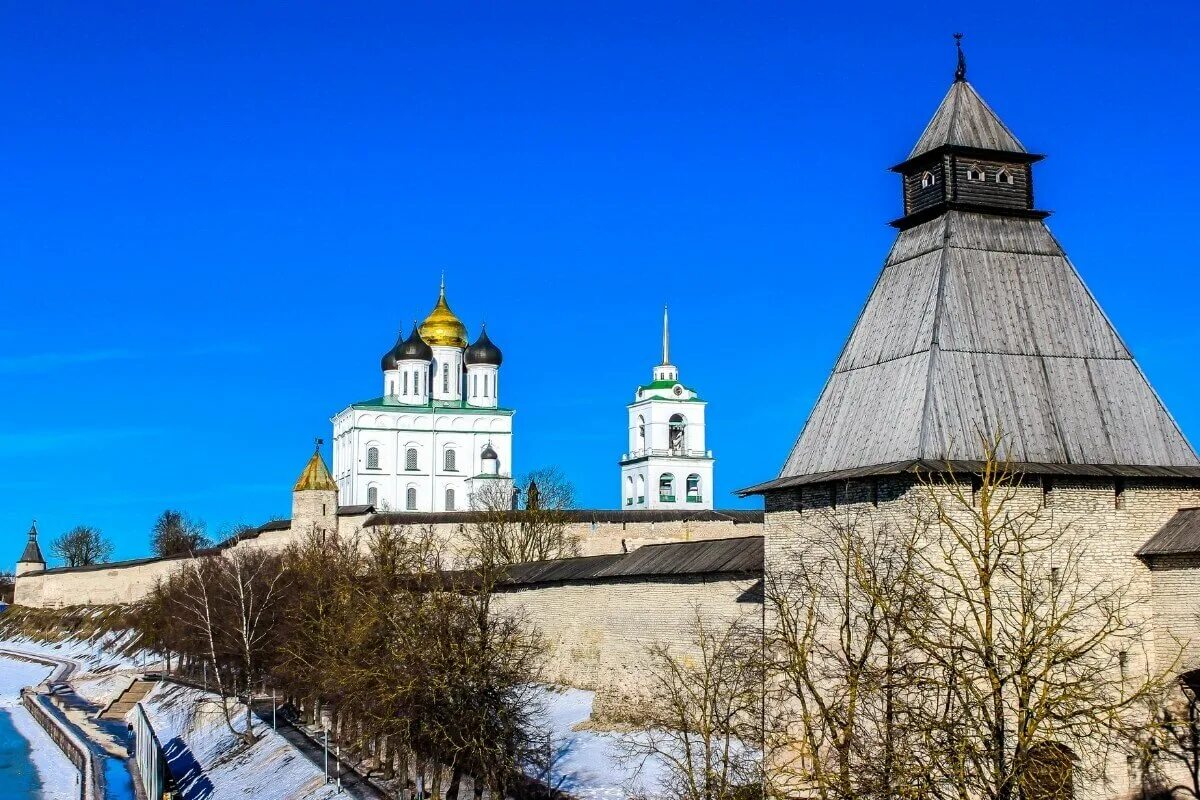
327,755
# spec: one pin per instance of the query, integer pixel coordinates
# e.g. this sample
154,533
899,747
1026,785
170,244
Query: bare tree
504,534
175,533
8,586
846,676
81,546
969,649
704,713
1171,752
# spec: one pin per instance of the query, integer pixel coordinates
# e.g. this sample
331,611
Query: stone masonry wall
598,633
129,582
1110,526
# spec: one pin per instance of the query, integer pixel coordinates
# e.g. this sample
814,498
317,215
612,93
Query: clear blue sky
214,218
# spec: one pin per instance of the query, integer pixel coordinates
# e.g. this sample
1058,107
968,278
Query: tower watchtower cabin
31,559
667,465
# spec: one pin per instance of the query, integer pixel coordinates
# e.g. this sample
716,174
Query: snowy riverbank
58,777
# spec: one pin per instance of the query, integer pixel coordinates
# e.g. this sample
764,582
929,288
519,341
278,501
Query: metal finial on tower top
666,339
960,72
318,442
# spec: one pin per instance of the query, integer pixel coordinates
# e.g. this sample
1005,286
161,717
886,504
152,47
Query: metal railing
148,755
666,451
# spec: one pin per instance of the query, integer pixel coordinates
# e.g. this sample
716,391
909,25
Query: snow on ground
58,775
94,655
100,690
588,763
209,760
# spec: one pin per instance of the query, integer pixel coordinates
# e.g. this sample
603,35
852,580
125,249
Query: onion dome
442,328
483,351
488,453
413,348
388,362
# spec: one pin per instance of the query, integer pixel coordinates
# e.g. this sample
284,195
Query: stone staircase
129,698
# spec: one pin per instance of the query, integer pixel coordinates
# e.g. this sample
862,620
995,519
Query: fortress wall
130,581
599,633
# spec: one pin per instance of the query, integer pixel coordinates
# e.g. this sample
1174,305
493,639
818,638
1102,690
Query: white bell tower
666,465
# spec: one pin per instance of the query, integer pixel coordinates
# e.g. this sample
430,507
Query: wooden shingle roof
964,120
1180,536
980,324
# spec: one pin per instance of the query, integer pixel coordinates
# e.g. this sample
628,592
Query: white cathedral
438,433
438,430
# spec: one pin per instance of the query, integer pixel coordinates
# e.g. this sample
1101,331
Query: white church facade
667,466
438,431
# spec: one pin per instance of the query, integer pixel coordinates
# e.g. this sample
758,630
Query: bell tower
667,465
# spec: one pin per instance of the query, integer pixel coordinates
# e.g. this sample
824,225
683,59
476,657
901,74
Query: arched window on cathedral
629,490
485,384
445,378
372,458
417,382
410,498
641,433
641,489
372,495
449,460
406,384
410,459
475,385
449,499
678,434
693,488
666,488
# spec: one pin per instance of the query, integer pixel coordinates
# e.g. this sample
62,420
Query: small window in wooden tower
928,179
1004,176
975,173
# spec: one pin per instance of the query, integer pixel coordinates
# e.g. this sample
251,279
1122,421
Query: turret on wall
31,558
315,497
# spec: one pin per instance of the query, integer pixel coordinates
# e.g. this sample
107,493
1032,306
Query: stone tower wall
1110,528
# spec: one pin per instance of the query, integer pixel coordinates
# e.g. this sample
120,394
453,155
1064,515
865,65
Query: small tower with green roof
667,465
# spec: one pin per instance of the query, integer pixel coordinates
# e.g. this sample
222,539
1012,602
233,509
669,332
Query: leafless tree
1172,746
175,533
969,649
81,546
703,713
537,531
8,585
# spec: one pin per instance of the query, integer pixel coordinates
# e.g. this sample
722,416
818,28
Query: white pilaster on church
438,435
667,465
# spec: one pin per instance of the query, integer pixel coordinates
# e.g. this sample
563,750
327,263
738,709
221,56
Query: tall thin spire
960,72
666,338
443,288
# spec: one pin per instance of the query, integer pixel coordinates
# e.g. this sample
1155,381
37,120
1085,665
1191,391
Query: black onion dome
483,351
388,362
414,348
488,452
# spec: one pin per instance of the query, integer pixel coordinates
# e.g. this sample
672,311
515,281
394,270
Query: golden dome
442,328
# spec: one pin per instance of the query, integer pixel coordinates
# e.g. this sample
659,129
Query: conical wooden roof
965,120
979,324
32,553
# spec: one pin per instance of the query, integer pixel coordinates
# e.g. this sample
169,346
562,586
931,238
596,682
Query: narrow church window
677,427
975,173
474,385
445,378
372,495
448,461
410,498
928,179
485,384
410,459
1004,176
406,383
693,488
372,458
449,499
391,388
641,434
416,383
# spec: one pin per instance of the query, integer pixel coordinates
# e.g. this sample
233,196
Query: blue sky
214,218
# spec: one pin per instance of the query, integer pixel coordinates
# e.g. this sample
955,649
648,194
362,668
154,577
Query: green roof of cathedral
394,404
